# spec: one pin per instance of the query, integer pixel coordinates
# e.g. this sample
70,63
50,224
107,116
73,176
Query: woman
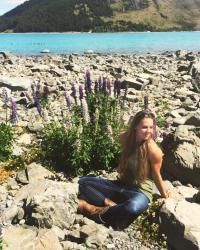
118,203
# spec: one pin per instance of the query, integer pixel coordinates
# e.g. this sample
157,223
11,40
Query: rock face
182,154
180,219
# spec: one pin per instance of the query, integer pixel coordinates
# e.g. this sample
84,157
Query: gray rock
196,197
179,220
194,119
32,173
56,206
95,234
132,83
182,155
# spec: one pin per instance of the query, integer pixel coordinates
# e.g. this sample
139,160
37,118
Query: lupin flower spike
100,83
146,102
68,100
88,82
85,111
73,94
46,90
27,96
38,86
37,104
104,87
117,87
80,92
108,86
96,87
5,95
13,112
110,132
1,234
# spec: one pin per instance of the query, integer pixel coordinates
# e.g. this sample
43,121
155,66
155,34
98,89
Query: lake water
122,42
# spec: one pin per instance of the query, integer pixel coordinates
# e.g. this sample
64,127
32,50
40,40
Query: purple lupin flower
13,112
108,86
110,132
80,92
1,234
96,87
73,93
46,90
27,96
154,130
167,125
68,100
88,82
100,83
37,103
5,95
92,118
164,135
117,87
146,102
38,86
104,86
85,112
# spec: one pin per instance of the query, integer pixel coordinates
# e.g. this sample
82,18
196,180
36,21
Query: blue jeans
130,200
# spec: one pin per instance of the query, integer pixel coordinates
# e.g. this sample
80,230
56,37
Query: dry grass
4,174
163,14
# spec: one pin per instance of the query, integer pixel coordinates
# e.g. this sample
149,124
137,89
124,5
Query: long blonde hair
130,145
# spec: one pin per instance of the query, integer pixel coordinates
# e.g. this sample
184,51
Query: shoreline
88,53
88,32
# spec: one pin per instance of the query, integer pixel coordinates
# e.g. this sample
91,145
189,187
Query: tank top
128,177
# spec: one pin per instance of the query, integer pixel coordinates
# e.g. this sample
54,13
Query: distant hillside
102,15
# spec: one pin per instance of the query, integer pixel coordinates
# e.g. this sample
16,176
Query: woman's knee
137,206
85,179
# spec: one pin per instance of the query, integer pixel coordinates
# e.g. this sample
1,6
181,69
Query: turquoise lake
122,42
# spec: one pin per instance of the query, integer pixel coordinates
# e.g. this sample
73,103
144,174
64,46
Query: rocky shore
38,209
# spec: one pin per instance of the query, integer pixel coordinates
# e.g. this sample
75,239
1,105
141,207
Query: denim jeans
130,200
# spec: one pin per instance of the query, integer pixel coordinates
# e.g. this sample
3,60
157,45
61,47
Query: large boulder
179,218
182,154
44,203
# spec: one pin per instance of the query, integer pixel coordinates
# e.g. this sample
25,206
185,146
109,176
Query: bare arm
155,154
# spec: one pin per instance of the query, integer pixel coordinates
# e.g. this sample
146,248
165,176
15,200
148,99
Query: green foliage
163,108
148,225
6,140
81,147
55,16
43,100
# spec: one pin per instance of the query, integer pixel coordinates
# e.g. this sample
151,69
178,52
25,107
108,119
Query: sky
7,5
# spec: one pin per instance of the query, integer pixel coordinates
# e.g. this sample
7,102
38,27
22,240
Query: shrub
6,140
86,138
148,225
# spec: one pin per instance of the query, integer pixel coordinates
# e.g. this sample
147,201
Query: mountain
102,15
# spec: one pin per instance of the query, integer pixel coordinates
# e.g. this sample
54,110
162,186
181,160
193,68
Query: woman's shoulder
154,150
